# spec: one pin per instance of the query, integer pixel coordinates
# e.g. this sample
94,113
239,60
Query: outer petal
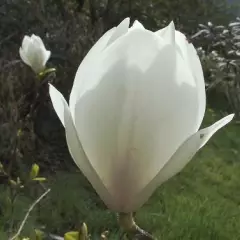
86,67
168,33
47,55
137,24
189,54
121,29
179,160
199,78
43,55
75,147
38,40
122,118
35,57
25,43
23,56
58,102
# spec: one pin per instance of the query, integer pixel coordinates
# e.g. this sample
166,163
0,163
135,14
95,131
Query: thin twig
28,212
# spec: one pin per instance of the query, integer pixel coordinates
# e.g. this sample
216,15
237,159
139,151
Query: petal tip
228,118
172,25
125,23
127,20
168,33
137,24
52,90
121,29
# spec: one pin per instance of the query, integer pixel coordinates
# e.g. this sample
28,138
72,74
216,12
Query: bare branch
28,212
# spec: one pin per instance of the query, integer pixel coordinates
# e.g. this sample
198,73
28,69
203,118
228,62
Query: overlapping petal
86,67
75,147
179,160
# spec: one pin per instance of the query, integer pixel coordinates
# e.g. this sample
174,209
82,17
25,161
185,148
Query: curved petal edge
180,158
58,102
75,147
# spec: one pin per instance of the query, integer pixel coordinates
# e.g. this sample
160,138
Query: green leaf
39,234
45,72
71,236
19,133
34,171
13,183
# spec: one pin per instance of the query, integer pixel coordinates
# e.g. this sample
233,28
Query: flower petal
43,54
58,102
25,43
47,55
35,57
137,24
24,56
190,56
86,67
121,29
75,147
168,33
179,160
197,72
38,41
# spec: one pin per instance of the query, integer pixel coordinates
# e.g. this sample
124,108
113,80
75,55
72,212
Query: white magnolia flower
136,105
34,53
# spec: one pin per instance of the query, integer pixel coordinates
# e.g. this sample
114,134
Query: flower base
131,229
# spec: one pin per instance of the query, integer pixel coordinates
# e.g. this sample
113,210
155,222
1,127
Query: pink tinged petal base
178,161
75,148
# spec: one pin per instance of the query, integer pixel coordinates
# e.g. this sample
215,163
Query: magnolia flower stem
132,230
40,91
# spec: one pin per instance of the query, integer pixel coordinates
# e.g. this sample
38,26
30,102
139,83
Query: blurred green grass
202,202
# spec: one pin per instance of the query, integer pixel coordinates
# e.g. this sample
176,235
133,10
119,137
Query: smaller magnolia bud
33,53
